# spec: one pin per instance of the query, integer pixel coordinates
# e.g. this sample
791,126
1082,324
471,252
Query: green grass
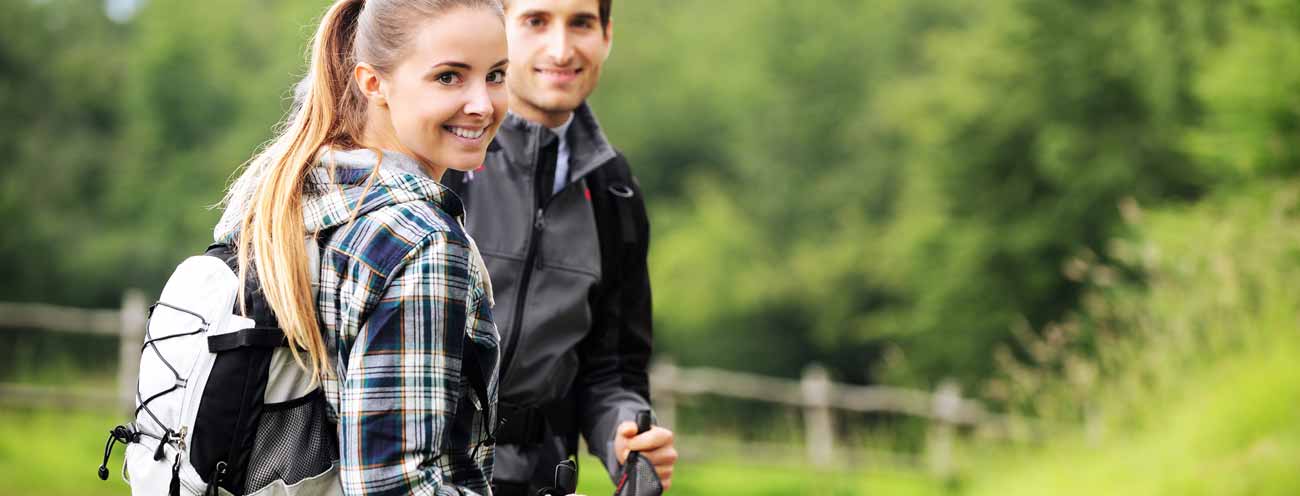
54,453
1233,429
737,477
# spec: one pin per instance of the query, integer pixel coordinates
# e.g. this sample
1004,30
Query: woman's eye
448,78
497,76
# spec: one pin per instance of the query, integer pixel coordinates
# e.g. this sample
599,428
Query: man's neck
563,127
534,114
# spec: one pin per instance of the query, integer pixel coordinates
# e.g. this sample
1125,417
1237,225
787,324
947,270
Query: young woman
359,250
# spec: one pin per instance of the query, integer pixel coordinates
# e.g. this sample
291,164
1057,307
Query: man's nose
560,47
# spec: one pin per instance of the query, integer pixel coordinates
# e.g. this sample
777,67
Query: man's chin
557,101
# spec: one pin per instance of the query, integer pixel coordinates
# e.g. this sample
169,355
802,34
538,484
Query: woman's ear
371,84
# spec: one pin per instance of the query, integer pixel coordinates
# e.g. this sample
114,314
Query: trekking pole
639,477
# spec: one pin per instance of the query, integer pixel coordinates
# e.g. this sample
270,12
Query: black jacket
572,299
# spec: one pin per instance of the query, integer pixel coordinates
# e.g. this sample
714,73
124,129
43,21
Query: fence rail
814,394
126,322
60,319
817,397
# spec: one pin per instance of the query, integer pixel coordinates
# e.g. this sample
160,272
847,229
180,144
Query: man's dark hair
605,7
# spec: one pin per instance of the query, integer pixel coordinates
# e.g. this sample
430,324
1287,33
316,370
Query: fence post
945,407
133,316
663,378
816,387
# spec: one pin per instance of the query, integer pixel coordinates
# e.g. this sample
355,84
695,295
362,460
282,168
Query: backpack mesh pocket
295,440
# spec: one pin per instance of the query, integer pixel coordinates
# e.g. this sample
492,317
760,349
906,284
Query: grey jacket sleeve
613,379
605,397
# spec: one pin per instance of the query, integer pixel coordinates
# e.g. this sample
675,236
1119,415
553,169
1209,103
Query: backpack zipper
180,438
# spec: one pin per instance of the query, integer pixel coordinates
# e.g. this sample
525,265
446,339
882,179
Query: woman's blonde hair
330,111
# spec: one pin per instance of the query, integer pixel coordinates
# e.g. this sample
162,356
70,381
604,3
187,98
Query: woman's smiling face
445,99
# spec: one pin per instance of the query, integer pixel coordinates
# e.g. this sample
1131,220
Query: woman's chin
466,164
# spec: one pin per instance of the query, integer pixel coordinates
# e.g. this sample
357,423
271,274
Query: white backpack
222,408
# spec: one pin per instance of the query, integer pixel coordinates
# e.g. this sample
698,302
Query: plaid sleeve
398,402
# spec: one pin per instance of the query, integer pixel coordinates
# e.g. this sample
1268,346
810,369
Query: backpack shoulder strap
257,307
623,228
266,331
620,217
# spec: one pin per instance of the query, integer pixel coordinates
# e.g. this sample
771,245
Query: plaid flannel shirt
402,293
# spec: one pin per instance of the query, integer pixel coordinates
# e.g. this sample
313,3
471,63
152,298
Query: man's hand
655,444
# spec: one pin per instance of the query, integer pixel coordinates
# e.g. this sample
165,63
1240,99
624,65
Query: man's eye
535,22
448,78
497,76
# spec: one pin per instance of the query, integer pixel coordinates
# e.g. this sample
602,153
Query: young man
562,226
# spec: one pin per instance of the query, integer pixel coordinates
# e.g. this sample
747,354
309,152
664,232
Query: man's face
556,50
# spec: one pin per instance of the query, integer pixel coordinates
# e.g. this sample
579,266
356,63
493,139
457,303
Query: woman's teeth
466,133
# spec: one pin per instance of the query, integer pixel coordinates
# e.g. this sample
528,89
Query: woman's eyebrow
462,65
459,65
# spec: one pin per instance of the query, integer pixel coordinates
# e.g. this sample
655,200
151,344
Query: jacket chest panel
499,212
569,240
502,219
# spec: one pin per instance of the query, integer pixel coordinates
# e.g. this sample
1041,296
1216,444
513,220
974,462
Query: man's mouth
468,133
559,75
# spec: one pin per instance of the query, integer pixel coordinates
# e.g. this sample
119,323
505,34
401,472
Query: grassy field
52,453
1232,430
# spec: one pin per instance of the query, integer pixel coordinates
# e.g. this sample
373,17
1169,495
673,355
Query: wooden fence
126,322
815,394
818,398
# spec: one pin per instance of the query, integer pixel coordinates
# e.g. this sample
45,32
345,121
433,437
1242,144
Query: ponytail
271,231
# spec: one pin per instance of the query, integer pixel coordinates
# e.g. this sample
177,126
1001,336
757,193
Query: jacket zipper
530,260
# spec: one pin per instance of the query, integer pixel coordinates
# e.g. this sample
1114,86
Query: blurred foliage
893,188
1184,383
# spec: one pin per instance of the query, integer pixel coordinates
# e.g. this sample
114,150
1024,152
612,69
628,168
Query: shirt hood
344,185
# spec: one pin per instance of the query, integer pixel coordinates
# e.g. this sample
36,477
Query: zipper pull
539,222
218,472
119,434
174,489
158,453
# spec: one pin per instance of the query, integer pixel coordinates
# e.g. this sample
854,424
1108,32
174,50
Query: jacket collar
588,146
